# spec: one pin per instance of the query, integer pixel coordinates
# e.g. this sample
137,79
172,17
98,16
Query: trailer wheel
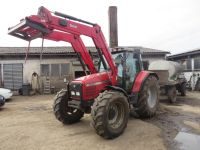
63,113
148,98
197,86
110,113
171,93
183,89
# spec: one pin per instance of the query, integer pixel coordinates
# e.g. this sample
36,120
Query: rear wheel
63,113
197,86
148,98
172,94
110,113
183,89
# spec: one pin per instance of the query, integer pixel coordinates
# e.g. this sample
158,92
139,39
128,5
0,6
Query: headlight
72,93
77,93
75,89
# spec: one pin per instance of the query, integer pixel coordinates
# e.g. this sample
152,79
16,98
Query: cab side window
132,68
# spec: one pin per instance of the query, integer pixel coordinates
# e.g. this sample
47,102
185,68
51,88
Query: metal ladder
47,86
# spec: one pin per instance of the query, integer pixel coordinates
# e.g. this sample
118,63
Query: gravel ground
29,123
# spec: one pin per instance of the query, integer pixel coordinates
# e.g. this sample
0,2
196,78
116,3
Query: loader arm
77,45
61,27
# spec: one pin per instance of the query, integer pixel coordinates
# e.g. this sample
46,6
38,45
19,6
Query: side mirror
136,53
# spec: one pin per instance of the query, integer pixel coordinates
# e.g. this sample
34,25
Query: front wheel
63,113
110,113
148,98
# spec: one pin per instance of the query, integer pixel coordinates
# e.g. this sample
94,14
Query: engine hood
94,79
93,84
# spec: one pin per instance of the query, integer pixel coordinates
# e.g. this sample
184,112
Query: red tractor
109,93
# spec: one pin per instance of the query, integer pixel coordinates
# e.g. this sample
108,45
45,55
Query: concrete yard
29,123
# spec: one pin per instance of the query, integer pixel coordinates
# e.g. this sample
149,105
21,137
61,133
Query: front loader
109,93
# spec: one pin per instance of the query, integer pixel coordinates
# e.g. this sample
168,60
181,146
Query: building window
65,69
189,64
197,63
55,69
45,70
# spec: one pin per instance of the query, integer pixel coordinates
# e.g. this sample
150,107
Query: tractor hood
94,79
93,84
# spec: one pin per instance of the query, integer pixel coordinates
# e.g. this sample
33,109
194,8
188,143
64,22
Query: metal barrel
172,67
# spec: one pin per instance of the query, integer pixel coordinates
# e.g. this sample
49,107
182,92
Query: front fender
115,88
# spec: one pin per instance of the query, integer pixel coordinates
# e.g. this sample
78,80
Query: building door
13,76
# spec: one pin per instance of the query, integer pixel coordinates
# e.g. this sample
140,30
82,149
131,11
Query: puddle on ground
188,141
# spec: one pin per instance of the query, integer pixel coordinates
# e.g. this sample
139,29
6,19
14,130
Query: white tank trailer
171,78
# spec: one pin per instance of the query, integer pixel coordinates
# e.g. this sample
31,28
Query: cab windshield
128,66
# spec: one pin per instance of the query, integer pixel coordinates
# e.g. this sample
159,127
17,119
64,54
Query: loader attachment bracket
28,30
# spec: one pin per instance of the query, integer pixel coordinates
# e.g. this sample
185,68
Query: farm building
56,64
191,61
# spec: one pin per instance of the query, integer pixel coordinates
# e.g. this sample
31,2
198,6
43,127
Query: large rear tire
148,98
110,113
63,113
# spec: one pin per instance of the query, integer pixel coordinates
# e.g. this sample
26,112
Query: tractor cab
129,64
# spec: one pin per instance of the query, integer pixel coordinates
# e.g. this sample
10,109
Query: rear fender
140,78
138,84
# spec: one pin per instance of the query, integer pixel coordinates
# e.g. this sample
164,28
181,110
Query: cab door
132,67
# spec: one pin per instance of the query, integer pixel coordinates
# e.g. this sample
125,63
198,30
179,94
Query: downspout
193,73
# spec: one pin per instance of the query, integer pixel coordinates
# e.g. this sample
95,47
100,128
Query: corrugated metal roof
145,50
37,50
185,54
63,50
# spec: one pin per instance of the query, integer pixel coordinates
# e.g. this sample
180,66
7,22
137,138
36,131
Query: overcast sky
172,25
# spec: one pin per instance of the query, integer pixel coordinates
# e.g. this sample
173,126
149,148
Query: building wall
192,67
192,71
148,59
33,65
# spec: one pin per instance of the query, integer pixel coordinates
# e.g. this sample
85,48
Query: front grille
75,87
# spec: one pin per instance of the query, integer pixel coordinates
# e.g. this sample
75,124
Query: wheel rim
152,96
116,115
